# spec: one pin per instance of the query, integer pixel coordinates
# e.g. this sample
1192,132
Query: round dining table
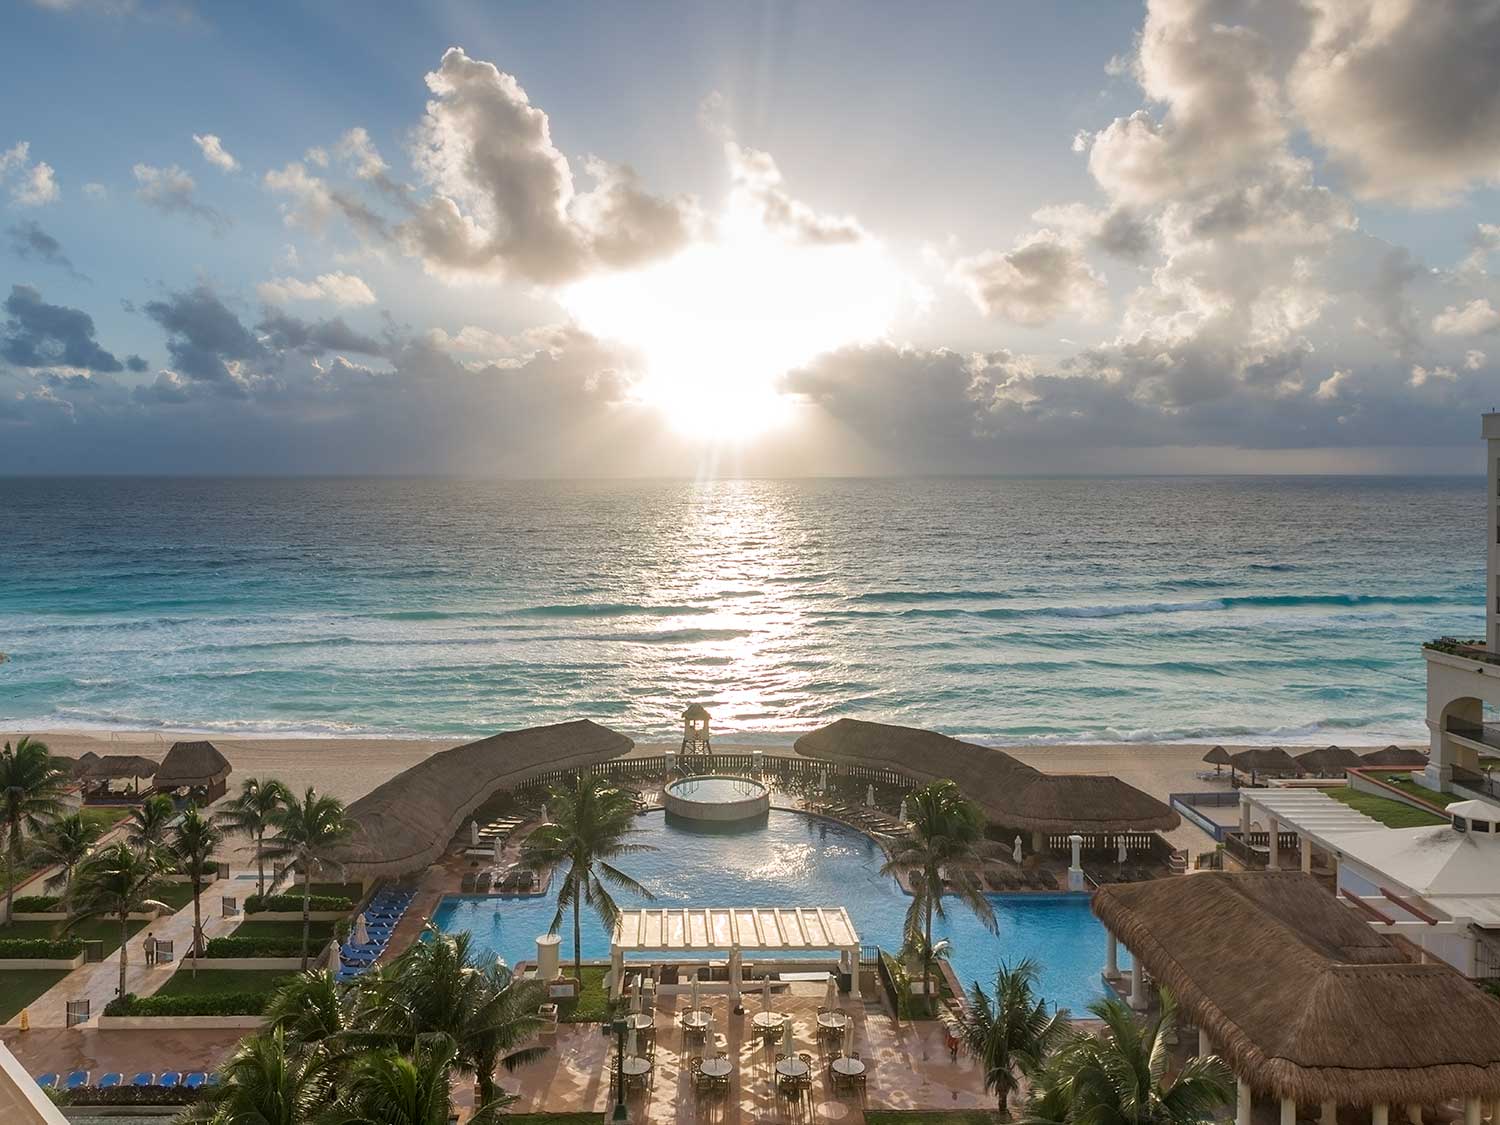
833,1020
695,1019
640,1021
792,1067
847,1066
716,1068
767,1020
635,1065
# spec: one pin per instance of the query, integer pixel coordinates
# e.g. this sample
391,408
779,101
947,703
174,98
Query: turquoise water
796,860
1278,609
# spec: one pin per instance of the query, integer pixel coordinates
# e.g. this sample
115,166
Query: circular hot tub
717,797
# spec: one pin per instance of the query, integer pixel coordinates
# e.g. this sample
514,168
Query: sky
585,239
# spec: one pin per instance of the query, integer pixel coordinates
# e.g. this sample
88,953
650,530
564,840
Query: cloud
1403,93
41,335
214,152
339,288
283,331
28,240
1421,376
503,194
1329,388
1473,319
312,203
756,188
206,340
1473,359
95,191
356,147
171,191
1044,276
31,185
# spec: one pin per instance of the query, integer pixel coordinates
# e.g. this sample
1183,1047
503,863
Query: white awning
719,929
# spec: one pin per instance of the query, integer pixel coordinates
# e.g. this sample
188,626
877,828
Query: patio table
792,1068
768,1020
640,1021
635,1065
833,1020
717,1068
848,1067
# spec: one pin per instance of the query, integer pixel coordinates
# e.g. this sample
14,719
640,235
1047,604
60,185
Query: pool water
717,790
797,860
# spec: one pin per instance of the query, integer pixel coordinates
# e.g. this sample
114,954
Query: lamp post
621,1112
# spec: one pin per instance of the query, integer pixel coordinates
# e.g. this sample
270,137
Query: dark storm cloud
205,339
286,332
41,335
29,241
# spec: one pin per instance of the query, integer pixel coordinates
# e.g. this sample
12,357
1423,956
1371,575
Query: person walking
150,948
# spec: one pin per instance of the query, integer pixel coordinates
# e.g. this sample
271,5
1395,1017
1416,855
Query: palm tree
250,814
437,987
1010,1035
310,1008
149,820
591,820
944,844
67,842
307,828
116,882
1120,1076
30,796
195,844
389,1087
268,1081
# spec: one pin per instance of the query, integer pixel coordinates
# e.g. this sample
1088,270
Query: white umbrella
473,833
695,990
765,993
823,782
848,1036
1015,852
544,812
901,816
1121,856
635,996
631,1043
361,931
870,796
788,1045
499,847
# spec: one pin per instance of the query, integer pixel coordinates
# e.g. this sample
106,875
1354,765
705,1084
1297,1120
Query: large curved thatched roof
1010,792
1265,759
1300,997
192,764
1329,759
404,824
113,767
1396,757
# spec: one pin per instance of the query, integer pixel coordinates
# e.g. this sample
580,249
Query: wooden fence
775,765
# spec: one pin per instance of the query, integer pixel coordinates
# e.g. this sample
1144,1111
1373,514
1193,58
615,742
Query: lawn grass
1404,783
19,987
930,1117
592,1003
1391,813
106,930
320,932
212,982
352,891
177,895
104,817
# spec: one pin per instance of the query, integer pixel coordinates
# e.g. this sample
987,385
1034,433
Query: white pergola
731,931
1310,813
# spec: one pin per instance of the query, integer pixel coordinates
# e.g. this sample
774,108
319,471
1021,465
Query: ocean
1003,610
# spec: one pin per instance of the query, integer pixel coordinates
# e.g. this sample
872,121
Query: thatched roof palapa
192,764
1218,756
112,767
1010,792
1395,757
1300,997
1265,759
1329,759
405,824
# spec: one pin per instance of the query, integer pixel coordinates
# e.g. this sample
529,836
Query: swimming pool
793,860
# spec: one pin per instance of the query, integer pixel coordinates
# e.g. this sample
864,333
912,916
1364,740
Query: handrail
1410,907
1366,908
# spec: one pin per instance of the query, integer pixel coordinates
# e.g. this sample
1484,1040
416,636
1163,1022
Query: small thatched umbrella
194,765
1265,759
117,767
1395,757
1330,761
1219,757
85,760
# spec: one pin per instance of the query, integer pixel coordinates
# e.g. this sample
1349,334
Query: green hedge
37,904
48,949
255,904
214,1004
129,1095
256,947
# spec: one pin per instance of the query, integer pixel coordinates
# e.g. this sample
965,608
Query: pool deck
908,1068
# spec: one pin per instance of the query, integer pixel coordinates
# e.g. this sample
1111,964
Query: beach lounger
194,1080
111,1080
144,1078
46,1081
77,1080
169,1079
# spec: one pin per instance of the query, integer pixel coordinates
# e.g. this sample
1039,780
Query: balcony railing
1486,734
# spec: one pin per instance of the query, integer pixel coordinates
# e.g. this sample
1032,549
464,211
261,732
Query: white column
1075,872
547,947
1112,959
1243,1103
616,971
1137,985
1328,1113
1288,1111
1275,864
734,978
1414,1114
1244,817
1380,1114
854,993
1307,850
1473,1108
1204,1046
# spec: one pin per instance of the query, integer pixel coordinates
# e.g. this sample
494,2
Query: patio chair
77,1080
194,1080
144,1078
46,1081
169,1079
111,1080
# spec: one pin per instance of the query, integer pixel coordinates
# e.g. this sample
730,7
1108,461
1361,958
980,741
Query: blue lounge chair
111,1080
46,1081
144,1078
167,1079
195,1079
77,1080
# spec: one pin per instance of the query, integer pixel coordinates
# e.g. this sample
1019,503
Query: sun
720,323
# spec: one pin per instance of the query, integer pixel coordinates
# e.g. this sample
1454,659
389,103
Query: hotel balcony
1481,736
1464,650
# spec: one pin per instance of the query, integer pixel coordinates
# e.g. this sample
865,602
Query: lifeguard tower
695,749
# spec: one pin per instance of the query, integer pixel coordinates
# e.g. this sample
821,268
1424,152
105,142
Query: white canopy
718,929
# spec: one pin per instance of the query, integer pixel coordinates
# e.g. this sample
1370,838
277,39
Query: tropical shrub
257,904
210,1004
253,947
48,949
38,904
128,1095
